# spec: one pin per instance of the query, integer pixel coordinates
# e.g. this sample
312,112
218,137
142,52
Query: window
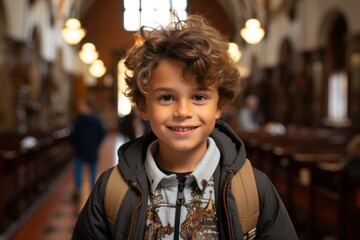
151,13
338,99
123,104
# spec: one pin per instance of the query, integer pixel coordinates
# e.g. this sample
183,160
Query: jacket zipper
179,202
134,184
225,204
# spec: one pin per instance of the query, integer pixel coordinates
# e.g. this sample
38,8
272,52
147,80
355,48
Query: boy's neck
181,161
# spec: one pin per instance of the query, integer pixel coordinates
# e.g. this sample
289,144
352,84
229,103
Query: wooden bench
26,173
289,160
301,186
335,207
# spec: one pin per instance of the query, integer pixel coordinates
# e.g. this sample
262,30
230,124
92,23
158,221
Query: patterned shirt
198,213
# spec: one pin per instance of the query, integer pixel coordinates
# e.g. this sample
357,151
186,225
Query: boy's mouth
182,129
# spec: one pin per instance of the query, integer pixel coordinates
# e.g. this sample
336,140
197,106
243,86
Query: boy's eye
166,98
199,98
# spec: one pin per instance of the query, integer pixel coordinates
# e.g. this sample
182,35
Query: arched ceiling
103,20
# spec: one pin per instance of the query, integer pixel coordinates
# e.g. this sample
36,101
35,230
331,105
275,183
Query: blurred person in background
249,118
86,137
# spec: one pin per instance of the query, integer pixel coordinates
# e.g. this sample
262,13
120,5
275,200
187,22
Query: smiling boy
181,80
181,114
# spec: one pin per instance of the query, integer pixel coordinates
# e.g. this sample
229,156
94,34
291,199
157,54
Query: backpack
243,188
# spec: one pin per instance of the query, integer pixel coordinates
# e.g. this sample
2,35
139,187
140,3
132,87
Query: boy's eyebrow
169,89
204,89
165,89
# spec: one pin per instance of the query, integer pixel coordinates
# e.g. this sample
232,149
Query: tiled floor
54,219
63,217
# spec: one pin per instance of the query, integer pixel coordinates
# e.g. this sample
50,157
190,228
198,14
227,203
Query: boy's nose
183,110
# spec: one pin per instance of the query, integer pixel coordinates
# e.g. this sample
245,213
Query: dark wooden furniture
318,199
27,172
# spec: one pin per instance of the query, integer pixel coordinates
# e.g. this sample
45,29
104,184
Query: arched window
151,13
337,76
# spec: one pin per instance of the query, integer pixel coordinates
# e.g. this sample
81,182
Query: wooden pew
261,146
292,163
301,187
289,161
26,173
7,176
335,199
9,156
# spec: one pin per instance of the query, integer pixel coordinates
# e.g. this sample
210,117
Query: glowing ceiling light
88,53
234,51
72,32
252,33
97,68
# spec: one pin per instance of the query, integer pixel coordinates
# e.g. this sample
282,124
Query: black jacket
274,222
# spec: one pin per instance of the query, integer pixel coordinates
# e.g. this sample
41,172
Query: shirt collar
202,173
206,167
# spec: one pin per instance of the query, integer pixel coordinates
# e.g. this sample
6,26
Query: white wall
22,19
16,16
307,32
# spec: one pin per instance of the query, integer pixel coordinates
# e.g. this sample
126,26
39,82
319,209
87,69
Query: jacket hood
131,155
232,149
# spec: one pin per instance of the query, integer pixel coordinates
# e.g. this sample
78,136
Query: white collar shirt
164,191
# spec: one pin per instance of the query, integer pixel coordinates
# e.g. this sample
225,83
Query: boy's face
181,114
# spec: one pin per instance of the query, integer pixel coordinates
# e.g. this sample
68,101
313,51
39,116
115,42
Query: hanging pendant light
252,33
97,68
234,52
73,32
88,53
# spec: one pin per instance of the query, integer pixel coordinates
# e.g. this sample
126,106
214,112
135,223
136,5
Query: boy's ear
219,112
141,106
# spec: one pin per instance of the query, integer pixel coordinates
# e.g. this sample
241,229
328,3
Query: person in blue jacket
86,137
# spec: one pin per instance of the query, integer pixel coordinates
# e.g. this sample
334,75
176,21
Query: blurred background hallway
55,214
299,60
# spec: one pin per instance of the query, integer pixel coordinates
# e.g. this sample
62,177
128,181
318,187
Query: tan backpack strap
116,189
247,200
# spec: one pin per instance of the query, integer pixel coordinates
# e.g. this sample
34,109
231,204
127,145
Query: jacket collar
132,155
201,174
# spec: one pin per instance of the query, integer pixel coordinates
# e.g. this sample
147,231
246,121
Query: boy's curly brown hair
194,42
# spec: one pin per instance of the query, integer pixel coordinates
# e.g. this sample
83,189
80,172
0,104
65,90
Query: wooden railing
26,172
307,166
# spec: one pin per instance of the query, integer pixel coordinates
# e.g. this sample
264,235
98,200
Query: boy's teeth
182,129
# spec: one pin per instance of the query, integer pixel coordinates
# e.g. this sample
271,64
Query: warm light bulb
252,23
97,68
72,32
88,54
234,51
252,33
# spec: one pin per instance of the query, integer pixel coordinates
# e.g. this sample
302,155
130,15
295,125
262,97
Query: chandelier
73,32
234,52
88,53
252,33
97,68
